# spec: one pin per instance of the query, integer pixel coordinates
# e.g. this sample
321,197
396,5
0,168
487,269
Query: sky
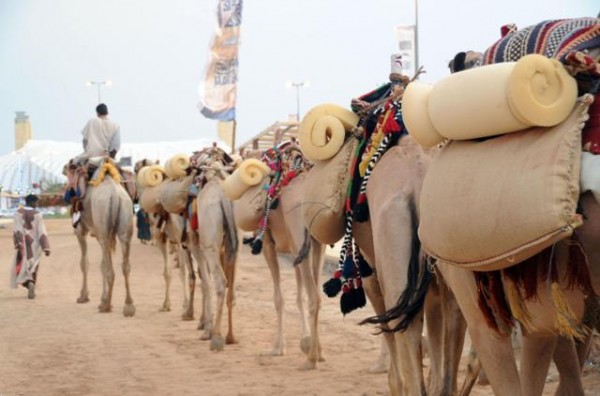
155,51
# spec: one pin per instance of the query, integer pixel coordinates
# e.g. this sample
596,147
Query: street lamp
98,84
297,85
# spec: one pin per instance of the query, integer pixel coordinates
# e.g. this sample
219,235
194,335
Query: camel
167,231
388,240
285,233
569,360
214,243
106,212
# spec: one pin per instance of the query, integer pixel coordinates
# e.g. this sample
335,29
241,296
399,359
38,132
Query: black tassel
361,212
257,246
347,303
348,268
363,267
360,298
248,241
274,204
332,287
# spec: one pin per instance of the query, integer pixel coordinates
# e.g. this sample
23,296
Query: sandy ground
53,346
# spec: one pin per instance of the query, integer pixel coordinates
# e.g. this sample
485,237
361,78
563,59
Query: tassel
248,241
332,287
274,204
257,246
361,211
363,267
360,298
348,269
565,321
516,302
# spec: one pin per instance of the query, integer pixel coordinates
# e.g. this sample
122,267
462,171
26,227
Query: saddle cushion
487,205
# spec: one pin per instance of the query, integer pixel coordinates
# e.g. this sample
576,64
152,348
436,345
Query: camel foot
230,339
379,368
187,316
205,336
201,325
128,310
273,352
217,343
321,359
308,365
83,299
305,344
164,309
104,308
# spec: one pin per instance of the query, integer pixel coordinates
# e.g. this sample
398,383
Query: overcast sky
155,51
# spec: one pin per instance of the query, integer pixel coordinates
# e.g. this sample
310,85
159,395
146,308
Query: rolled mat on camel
177,166
487,205
150,176
250,173
490,100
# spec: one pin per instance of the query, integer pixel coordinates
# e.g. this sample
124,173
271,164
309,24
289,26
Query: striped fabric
554,39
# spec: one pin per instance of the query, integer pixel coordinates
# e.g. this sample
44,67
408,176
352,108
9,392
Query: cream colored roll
416,115
540,91
492,100
323,130
474,103
177,165
150,176
250,173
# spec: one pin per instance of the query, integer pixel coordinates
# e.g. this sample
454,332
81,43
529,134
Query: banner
406,44
226,132
218,90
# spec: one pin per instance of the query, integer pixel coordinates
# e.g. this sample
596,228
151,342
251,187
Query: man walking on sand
30,240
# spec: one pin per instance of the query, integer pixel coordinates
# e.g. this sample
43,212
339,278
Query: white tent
42,161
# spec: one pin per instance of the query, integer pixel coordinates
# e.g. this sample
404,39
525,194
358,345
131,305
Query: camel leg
305,340
271,257
230,278
455,329
434,320
374,293
125,240
318,259
183,268
567,362
206,321
536,354
83,264
217,341
473,370
314,304
187,265
163,245
494,350
108,274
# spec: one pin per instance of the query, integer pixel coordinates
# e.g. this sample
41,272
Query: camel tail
231,234
412,299
305,249
114,208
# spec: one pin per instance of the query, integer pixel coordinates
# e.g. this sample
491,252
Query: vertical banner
406,44
218,90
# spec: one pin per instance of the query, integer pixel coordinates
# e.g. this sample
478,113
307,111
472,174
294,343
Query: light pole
98,84
297,85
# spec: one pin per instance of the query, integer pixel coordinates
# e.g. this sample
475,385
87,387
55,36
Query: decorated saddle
285,162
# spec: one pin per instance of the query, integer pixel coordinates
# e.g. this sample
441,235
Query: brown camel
107,212
388,240
167,231
214,242
285,233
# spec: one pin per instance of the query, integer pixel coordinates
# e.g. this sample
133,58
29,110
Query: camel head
465,60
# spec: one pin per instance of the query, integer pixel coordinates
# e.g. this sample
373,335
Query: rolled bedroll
150,176
488,205
250,173
177,165
322,131
490,100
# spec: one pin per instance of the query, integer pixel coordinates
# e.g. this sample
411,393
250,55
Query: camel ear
459,62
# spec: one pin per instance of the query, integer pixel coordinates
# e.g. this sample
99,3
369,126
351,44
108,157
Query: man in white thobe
101,136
